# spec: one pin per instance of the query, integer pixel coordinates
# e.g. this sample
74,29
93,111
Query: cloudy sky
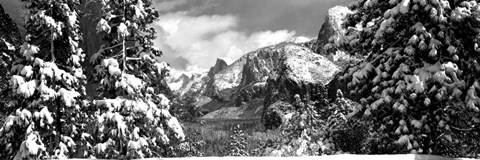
196,32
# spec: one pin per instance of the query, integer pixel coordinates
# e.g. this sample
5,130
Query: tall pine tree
46,118
419,82
133,118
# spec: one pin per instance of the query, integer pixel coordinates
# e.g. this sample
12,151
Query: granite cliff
241,88
254,85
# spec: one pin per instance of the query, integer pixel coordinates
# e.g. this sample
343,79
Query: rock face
8,29
333,34
220,65
302,73
223,84
277,113
332,28
304,76
260,78
188,83
268,76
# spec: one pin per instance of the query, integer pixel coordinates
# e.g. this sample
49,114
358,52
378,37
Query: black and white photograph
240,79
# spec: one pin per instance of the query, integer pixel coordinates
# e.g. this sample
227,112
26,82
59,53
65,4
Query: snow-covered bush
47,117
343,130
419,82
193,146
305,133
132,118
237,142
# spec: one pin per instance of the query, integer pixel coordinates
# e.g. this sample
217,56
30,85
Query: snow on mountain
227,60
244,83
179,79
300,39
249,86
332,28
220,65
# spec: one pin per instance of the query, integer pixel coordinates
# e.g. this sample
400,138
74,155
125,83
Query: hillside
239,90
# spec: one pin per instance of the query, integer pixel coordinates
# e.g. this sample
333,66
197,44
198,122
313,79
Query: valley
242,88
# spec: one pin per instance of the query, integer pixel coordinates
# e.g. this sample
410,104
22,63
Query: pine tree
419,82
47,82
238,142
133,118
7,51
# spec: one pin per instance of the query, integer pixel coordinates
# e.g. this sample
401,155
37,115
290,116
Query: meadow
216,135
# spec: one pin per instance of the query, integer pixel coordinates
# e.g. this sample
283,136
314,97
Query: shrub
238,142
193,146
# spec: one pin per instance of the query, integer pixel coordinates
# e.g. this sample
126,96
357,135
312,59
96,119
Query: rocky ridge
220,64
9,31
332,30
287,67
332,37
260,80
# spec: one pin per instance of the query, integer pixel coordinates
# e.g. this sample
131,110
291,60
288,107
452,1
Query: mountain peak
220,65
227,60
332,28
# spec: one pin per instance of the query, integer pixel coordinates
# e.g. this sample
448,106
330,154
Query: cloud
192,6
303,16
199,40
168,5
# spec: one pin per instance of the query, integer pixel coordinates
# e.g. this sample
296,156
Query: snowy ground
333,157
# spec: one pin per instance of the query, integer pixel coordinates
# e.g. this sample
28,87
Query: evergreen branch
462,129
111,47
100,51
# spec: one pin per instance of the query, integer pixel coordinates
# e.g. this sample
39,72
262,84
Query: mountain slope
239,89
266,76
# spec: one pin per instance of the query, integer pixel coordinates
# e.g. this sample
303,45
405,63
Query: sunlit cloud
199,40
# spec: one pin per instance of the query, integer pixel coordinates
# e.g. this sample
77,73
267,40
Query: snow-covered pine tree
419,82
7,51
238,142
133,118
46,118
